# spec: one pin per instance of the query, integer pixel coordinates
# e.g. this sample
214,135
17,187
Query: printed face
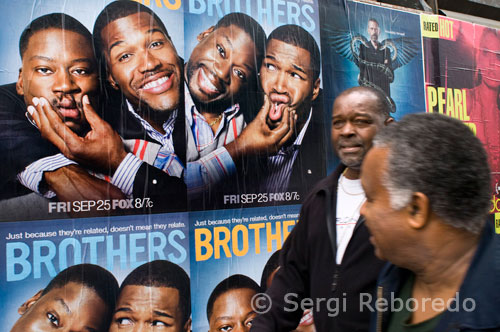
220,66
141,309
59,65
385,224
373,30
354,124
489,60
232,311
143,62
72,308
286,76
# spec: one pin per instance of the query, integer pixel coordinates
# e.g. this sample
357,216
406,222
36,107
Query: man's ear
205,33
32,300
112,81
20,83
187,326
388,120
316,88
418,210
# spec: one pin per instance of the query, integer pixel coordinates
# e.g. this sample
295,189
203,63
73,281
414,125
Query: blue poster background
28,264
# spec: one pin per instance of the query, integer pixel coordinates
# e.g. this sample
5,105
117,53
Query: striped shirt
209,162
124,176
166,158
280,165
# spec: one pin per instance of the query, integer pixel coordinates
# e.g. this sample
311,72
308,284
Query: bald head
378,102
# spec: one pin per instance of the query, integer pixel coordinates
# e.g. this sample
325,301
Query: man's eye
44,71
221,51
124,321
81,71
362,122
241,75
124,57
338,124
270,67
156,44
295,75
158,323
226,328
53,319
249,323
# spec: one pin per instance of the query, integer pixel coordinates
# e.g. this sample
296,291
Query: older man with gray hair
426,182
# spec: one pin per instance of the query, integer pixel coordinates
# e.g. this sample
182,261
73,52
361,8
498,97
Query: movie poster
33,253
367,45
233,242
462,81
141,172
230,73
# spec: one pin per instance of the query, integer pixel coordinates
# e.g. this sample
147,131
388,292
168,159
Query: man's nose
348,129
64,82
222,68
149,62
362,209
280,83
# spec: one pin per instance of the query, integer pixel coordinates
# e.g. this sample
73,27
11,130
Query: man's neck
441,264
375,44
154,118
442,276
352,173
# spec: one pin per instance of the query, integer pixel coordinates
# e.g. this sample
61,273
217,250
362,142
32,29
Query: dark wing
403,50
345,43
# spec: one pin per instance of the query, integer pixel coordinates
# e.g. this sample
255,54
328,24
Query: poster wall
182,136
461,79
33,253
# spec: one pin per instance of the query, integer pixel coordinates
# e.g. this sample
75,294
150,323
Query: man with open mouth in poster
289,77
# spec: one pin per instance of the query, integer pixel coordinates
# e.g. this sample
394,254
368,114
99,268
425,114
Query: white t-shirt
350,197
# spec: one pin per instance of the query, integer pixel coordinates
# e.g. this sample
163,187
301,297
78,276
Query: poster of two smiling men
177,135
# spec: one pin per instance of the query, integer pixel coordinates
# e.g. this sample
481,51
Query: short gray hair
441,158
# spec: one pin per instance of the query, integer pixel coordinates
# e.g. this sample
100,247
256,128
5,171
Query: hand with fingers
101,149
73,183
258,138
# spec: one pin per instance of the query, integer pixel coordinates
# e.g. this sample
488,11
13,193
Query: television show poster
217,112
35,172
462,81
33,253
368,45
233,242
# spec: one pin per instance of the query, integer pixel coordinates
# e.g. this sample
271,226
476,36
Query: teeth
155,83
207,82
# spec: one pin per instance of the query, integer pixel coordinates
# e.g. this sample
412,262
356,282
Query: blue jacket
481,283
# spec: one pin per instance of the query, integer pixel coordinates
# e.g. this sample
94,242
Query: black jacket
476,308
20,142
308,269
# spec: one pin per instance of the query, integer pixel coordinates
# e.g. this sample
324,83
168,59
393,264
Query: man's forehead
40,36
356,103
231,30
279,50
287,49
114,29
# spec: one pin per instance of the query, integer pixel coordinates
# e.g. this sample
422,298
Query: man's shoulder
328,184
8,94
12,105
